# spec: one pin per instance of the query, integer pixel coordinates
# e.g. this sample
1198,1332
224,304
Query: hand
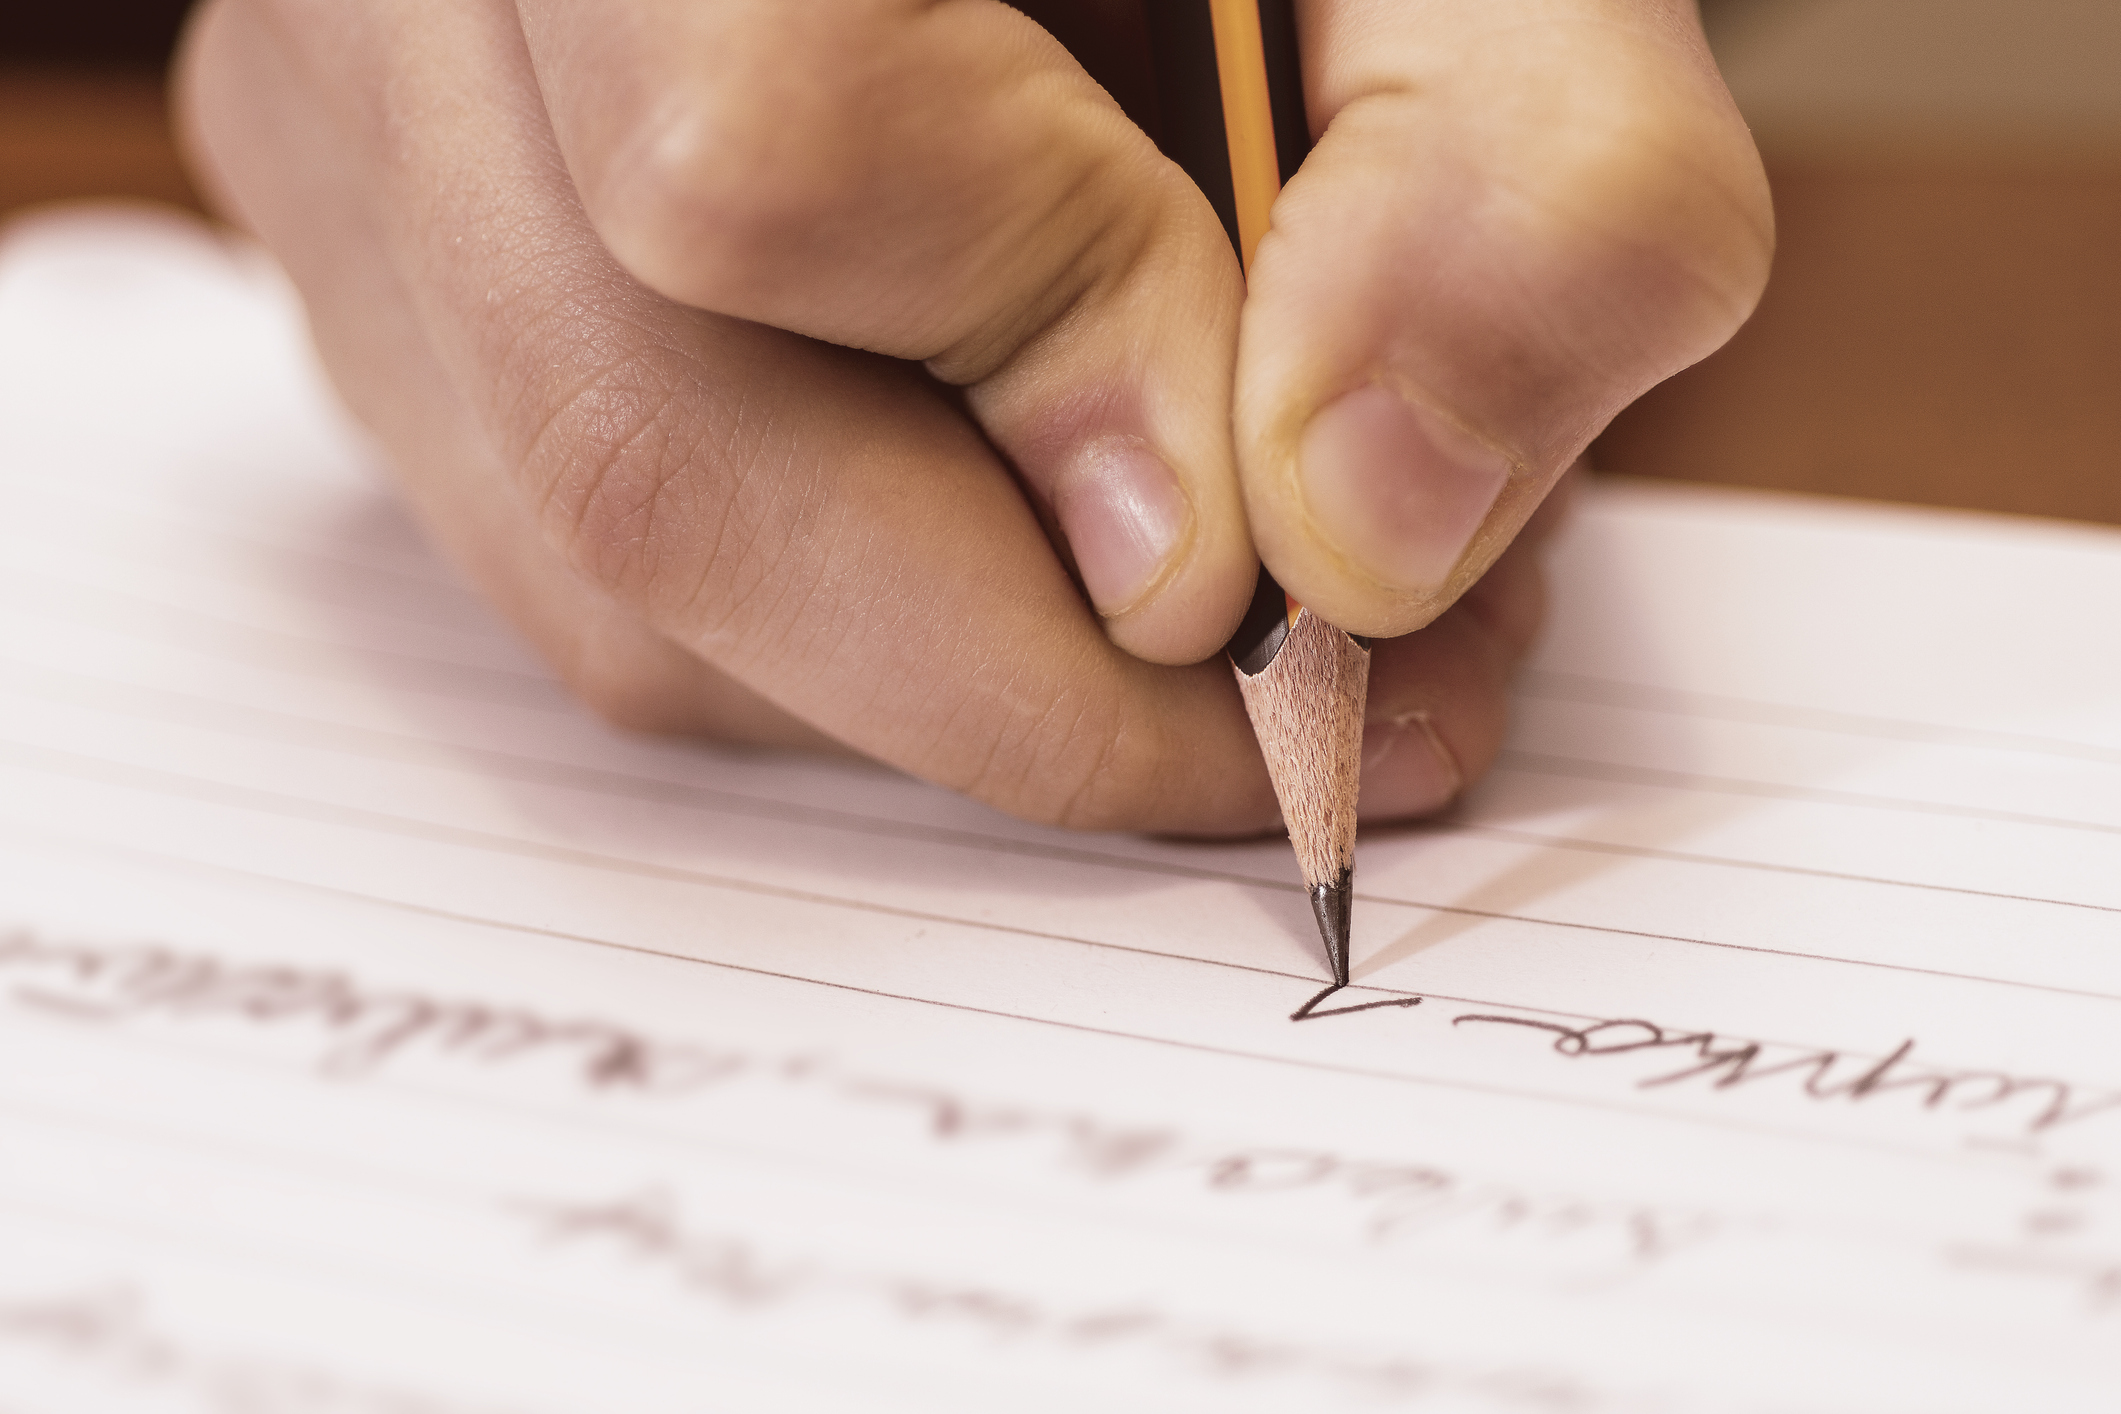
756,355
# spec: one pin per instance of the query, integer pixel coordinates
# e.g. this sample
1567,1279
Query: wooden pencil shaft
1248,119
1307,708
1304,682
1199,116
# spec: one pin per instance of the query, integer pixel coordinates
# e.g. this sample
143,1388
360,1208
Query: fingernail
1124,513
1407,769
1396,487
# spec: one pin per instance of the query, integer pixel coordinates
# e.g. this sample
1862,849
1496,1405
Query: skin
767,362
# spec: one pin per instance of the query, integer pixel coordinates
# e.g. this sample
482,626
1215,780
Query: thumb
1521,215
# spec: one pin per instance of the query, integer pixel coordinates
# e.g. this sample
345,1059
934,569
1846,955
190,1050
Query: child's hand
638,294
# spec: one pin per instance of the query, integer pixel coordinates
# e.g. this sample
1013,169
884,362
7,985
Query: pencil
1231,113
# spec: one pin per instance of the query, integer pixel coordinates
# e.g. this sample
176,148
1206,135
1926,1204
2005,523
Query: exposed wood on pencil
1304,691
1307,708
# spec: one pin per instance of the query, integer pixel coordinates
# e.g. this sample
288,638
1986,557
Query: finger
941,183
1170,796
1520,215
1439,697
382,364
816,523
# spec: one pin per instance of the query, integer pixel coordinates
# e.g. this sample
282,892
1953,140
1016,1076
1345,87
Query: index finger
817,523
939,182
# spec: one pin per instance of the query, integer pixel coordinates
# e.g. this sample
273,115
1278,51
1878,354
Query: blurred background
1943,324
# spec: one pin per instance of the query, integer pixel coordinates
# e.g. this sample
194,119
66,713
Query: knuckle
721,187
1454,678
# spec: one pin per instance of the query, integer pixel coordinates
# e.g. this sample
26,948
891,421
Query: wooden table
68,133
1933,333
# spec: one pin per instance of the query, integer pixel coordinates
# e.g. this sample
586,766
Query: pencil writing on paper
110,1331
2096,1278
1735,1061
650,1230
1311,1008
369,1025
364,1028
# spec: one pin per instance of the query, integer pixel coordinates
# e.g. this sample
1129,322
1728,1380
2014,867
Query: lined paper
379,1033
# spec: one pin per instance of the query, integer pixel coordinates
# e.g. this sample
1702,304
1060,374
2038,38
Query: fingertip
1394,488
1127,518
1184,608
1135,467
1408,769
1436,716
1192,615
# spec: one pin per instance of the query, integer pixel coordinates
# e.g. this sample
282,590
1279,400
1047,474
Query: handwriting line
1734,1061
1268,1058
1382,1199
445,1294
1395,997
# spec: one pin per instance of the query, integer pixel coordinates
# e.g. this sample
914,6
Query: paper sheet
378,1033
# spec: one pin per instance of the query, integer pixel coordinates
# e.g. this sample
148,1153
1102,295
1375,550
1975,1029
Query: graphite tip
1331,904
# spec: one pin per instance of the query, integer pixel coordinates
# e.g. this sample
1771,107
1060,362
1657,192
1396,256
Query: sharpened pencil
1230,96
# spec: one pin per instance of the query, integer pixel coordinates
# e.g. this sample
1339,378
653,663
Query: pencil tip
1332,903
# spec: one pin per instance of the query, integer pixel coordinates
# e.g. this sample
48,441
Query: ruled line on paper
146,620
378,593
645,1224
106,1327
421,570
1556,764
252,1152
1548,764
218,715
424,573
1899,1150
185,864
415,564
1677,856
648,1228
1380,1201
371,1281
1550,685
125,775
1372,1073
279,651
